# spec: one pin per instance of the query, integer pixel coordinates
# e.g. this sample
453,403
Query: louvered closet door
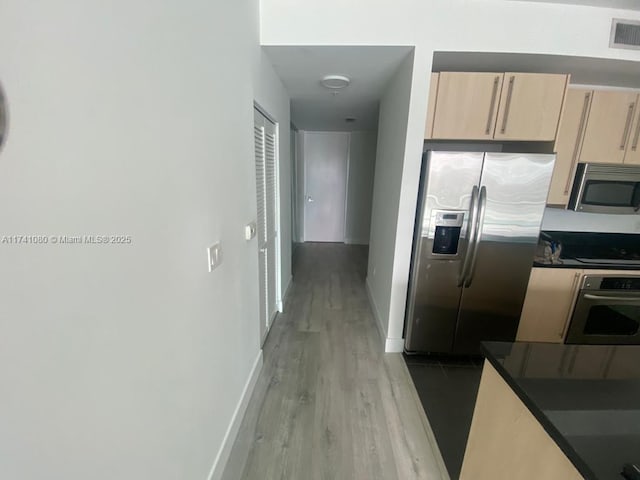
265,142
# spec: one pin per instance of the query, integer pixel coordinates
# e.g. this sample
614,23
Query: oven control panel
604,282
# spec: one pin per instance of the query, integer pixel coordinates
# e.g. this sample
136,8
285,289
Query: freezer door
447,182
513,195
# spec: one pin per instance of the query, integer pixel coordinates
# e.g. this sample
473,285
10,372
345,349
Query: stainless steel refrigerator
477,227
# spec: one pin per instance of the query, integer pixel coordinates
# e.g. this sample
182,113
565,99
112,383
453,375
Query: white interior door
326,157
265,143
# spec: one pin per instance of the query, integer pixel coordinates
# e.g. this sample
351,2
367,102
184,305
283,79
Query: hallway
329,404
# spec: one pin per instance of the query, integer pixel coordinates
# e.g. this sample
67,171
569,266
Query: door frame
278,246
346,189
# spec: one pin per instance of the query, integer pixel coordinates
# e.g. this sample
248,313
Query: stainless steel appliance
607,311
477,228
606,188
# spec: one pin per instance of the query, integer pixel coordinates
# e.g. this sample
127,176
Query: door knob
309,198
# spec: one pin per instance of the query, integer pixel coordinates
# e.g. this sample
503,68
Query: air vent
625,34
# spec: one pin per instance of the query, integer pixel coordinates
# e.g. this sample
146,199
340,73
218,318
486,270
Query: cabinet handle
492,107
574,288
627,124
507,105
576,147
636,135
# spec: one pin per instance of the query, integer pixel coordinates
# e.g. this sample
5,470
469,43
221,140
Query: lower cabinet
506,441
548,304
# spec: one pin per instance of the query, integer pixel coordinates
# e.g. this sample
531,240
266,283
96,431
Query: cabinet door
548,304
570,135
608,127
431,105
466,105
530,106
589,364
632,154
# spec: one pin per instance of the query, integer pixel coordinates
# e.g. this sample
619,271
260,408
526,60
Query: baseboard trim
394,345
391,345
232,431
374,309
356,241
287,289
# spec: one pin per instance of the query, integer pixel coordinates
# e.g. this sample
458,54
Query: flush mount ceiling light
335,82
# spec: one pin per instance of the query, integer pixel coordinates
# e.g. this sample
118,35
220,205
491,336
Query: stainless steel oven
606,188
607,311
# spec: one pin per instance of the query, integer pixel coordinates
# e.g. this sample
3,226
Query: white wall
272,97
438,25
392,132
447,25
362,159
132,118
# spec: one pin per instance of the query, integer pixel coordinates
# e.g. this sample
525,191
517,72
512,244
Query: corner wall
392,136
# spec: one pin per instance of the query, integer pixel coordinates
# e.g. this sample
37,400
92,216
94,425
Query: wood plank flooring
329,404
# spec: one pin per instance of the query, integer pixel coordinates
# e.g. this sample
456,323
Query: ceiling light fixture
335,82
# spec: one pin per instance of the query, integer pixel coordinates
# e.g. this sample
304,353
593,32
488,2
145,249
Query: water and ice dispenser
448,226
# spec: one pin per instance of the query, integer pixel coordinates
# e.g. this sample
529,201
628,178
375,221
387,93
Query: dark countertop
572,263
603,251
587,398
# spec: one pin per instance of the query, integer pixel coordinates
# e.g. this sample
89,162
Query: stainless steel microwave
606,188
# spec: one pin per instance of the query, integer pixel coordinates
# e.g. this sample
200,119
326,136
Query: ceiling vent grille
625,34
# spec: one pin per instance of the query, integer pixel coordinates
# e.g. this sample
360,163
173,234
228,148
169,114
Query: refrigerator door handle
472,224
482,202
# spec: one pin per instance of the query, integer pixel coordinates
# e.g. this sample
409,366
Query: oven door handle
589,296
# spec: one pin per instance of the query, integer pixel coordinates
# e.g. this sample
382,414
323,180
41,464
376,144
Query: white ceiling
315,108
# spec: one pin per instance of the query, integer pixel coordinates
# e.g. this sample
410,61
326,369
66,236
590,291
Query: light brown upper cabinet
632,153
466,105
431,110
570,135
496,106
598,126
609,127
530,106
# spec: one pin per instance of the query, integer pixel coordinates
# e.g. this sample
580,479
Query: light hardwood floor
329,404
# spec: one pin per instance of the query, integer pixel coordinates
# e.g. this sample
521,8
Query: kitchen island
555,411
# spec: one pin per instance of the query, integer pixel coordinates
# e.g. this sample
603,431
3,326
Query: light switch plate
214,256
250,231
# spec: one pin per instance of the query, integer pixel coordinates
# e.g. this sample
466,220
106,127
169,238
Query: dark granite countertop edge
548,426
